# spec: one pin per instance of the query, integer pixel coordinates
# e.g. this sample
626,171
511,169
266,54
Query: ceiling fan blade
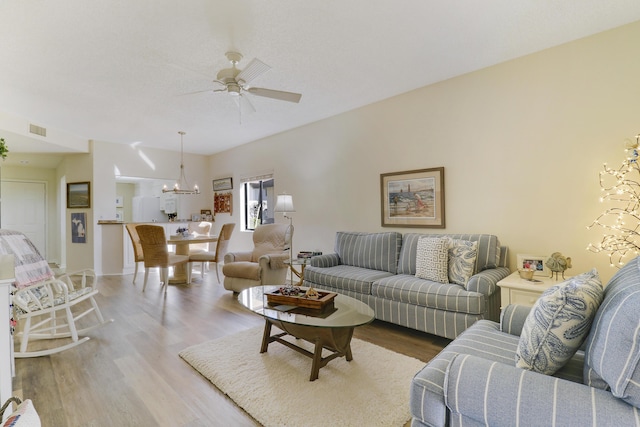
195,93
255,69
275,94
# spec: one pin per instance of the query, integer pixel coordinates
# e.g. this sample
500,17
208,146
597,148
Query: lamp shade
284,203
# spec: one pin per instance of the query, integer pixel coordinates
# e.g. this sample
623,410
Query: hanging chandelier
182,185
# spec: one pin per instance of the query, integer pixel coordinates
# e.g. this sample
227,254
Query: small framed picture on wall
78,195
79,227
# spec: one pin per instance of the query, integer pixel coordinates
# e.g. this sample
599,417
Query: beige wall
521,142
77,168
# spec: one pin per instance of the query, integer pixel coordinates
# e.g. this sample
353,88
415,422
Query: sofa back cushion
488,251
271,239
612,353
376,251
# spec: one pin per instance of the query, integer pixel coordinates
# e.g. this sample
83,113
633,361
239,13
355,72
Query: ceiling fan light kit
182,185
236,82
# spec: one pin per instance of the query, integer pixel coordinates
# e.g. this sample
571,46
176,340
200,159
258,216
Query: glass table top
346,311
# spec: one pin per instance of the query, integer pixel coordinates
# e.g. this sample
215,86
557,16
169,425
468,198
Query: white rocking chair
50,305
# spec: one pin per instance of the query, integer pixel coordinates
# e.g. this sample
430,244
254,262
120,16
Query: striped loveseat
380,270
474,380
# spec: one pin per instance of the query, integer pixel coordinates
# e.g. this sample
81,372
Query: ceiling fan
236,82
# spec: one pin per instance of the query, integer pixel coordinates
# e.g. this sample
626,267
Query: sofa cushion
426,293
613,347
242,269
376,251
558,323
432,259
489,252
461,260
344,277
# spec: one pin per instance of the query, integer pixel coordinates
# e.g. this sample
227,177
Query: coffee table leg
265,336
348,354
317,361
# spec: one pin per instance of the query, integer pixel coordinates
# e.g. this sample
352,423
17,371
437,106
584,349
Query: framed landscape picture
222,184
413,198
78,195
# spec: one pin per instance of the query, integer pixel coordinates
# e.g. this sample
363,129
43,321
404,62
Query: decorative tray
276,297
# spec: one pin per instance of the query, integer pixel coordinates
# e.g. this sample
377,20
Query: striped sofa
379,269
474,380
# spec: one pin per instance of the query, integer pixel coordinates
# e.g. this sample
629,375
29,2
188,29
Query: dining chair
137,248
156,254
202,228
222,246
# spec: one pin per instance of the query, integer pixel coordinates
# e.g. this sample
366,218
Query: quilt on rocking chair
54,304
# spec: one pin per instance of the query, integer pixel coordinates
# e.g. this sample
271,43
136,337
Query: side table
514,290
302,262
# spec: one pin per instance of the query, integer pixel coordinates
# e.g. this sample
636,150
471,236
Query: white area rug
274,387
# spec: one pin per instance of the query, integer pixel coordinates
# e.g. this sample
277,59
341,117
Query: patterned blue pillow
558,323
432,259
462,260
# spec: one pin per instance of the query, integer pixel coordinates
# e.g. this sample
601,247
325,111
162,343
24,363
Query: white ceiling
122,70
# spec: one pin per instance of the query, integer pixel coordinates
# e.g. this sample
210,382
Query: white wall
111,159
521,142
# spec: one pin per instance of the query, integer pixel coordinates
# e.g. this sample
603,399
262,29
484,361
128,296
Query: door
24,210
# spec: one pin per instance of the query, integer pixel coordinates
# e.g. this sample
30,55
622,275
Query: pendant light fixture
182,185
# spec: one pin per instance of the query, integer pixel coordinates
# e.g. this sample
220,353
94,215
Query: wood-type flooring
129,372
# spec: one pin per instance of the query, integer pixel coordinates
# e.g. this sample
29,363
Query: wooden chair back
154,245
222,245
135,241
202,228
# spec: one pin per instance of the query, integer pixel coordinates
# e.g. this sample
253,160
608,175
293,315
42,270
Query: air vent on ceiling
37,130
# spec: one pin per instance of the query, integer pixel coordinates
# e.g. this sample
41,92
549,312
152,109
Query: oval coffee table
331,329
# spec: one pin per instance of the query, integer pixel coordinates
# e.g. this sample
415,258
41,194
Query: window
258,201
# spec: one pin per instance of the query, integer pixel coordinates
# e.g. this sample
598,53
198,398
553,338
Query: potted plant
3,149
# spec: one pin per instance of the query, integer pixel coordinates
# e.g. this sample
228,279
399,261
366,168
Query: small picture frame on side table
533,262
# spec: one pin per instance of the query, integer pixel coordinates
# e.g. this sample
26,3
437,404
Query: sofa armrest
274,260
486,281
512,318
273,270
237,257
482,392
325,261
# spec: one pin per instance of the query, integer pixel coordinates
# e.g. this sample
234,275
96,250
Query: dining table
182,248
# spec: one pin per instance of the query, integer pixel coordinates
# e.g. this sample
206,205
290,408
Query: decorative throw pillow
558,323
25,415
462,259
432,259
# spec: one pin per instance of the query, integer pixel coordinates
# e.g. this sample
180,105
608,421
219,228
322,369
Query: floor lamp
284,204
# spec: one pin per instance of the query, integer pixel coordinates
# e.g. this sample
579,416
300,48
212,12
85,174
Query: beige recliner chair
265,265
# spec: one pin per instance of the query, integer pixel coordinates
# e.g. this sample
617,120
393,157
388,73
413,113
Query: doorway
24,209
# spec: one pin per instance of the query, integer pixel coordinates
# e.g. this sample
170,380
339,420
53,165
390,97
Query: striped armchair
474,380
